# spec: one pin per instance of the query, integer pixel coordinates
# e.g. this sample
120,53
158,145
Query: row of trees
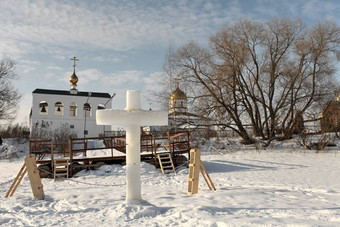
59,135
270,75
15,131
9,96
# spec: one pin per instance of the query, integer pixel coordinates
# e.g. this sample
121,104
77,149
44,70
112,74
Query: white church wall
77,123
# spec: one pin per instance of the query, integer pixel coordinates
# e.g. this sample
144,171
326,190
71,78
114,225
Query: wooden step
61,165
168,162
60,174
61,178
61,169
168,171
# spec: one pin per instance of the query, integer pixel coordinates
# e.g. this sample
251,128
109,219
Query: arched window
43,108
87,110
73,109
59,109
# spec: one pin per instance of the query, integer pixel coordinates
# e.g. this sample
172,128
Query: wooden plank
33,174
16,181
208,177
205,178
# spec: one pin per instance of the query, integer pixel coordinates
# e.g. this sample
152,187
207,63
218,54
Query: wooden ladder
166,164
61,169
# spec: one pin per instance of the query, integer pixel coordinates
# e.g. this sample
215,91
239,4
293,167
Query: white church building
76,109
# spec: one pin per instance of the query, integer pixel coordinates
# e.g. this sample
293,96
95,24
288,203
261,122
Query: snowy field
281,186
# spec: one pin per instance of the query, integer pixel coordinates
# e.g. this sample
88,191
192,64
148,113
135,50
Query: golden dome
74,79
178,94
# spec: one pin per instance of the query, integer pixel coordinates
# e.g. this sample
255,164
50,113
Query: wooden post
33,174
194,169
111,145
71,150
70,155
169,141
52,154
30,148
154,149
85,147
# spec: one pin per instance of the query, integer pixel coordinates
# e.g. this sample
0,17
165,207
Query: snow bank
14,148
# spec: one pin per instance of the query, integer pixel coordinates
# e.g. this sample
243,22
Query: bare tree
263,74
9,96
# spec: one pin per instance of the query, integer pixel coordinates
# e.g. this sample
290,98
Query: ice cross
132,118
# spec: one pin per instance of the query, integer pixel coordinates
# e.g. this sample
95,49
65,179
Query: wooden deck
79,150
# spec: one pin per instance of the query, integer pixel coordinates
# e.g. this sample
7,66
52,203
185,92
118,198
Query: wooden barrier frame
30,166
195,167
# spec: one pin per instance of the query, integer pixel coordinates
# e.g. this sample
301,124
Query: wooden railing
41,148
173,143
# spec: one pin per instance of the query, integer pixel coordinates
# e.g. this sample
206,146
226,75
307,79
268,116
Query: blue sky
121,44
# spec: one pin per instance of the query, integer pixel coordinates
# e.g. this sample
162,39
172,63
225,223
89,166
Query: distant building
178,109
73,108
180,119
179,116
330,117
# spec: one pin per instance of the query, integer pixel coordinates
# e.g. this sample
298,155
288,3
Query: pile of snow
280,186
14,148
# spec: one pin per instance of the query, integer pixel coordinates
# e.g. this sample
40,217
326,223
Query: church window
59,109
43,108
73,109
87,110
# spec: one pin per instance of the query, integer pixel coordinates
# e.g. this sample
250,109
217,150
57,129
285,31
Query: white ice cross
132,118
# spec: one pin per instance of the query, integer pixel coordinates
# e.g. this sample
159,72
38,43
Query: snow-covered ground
281,186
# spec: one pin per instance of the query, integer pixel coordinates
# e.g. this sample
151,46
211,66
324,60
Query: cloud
321,9
114,25
53,67
26,68
24,109
85,77
154,82
128,79
10,48
110,59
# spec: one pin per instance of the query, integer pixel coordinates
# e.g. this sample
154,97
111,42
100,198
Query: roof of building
74,79
178,94
67,92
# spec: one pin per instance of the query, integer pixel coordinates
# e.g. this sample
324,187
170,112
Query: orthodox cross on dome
132,118
74,78
177,81
74,59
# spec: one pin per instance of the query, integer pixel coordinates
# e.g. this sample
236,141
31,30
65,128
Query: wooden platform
78,150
